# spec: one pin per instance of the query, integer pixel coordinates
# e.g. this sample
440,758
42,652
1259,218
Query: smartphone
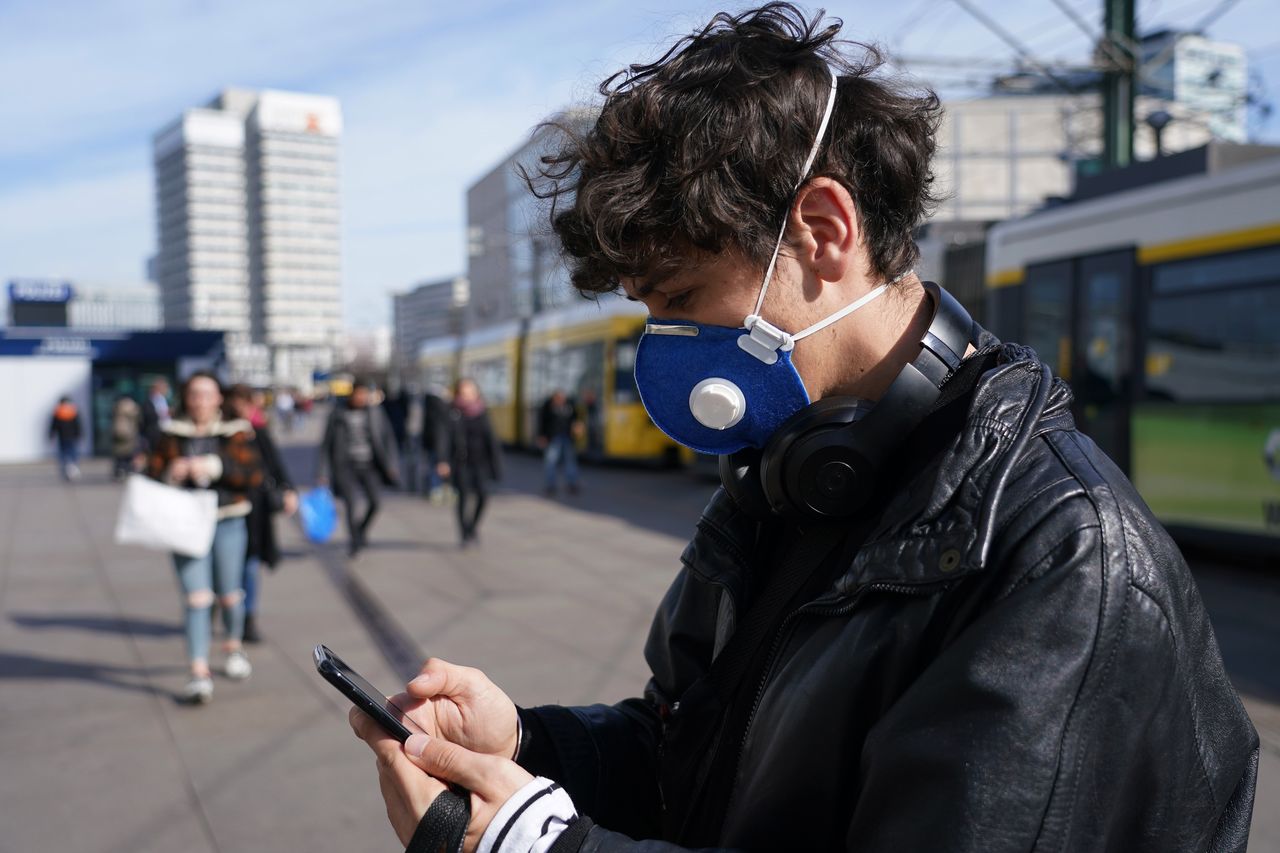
365,696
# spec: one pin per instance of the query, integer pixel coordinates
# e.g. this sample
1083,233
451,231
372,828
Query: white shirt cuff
530,821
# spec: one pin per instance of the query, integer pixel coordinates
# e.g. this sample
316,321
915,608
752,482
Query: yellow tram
586,349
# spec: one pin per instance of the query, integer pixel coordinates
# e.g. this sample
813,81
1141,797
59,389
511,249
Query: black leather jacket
1056,688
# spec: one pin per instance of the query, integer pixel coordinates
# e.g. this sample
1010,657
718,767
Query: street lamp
1158,121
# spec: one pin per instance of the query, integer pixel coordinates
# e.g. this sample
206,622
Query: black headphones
824,461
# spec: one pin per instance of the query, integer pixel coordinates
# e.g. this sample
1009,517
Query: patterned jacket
228,445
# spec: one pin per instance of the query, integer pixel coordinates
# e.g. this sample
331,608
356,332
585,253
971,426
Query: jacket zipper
830,610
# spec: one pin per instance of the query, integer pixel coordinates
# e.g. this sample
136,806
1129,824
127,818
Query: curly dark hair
702,149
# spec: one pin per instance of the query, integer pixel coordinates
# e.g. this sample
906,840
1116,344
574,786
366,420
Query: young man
358,452
65,430
993,647
558,427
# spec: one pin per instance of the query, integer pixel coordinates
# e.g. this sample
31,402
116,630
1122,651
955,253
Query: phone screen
364,695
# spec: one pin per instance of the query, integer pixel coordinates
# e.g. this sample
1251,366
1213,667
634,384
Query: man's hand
491,780
290,502
463,706
407,791
443,469
410,778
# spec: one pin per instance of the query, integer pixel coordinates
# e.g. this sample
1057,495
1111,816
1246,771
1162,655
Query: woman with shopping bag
198,450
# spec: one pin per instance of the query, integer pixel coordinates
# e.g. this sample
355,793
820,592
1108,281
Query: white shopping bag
165,518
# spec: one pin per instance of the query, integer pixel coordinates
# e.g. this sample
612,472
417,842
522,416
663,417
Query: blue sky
433,94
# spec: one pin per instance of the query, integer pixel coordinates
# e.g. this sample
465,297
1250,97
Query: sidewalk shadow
30,667
98,624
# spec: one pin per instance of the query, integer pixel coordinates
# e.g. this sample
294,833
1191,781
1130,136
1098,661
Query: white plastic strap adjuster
764,340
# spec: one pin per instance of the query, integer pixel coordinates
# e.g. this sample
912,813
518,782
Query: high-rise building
430,310
248,221
513,262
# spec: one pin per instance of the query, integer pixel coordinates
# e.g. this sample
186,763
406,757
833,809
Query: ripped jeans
217,573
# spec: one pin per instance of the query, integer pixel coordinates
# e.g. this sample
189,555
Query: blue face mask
717,389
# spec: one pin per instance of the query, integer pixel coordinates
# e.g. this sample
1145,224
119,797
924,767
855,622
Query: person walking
435,421
474,454
65,430
558,430
155,411
200,450
126,426
276,494
358,453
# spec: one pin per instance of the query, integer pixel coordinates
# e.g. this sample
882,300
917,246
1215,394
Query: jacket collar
939,525
184,428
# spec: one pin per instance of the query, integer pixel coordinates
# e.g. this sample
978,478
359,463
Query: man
998,649
358,451
126,419
558,429
435,428
65,430
155,411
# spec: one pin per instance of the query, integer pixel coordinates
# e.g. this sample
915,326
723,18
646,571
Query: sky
433,95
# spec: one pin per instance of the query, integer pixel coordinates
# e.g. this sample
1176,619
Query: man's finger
440,678
449,762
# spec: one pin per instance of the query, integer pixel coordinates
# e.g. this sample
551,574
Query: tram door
1079,319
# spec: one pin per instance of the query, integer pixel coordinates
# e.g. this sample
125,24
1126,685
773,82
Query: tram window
1047,294
493,378
1217,346
1238,268
624,372
570,369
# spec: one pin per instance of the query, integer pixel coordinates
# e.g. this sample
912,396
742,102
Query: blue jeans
219,572
250,584
560,451
68,456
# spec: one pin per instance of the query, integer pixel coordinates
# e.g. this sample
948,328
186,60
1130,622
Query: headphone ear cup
740,476
809,468
826,476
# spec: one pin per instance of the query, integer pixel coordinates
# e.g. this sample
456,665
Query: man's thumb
446,761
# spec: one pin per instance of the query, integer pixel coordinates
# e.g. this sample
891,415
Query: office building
248,222
429,311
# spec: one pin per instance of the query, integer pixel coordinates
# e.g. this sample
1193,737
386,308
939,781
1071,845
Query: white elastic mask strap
849,309
804,173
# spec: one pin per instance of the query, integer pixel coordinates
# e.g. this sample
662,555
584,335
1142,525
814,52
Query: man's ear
825,229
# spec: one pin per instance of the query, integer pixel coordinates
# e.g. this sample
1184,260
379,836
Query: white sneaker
238,667
198,690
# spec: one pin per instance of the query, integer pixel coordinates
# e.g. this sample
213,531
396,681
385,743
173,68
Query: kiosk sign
40,290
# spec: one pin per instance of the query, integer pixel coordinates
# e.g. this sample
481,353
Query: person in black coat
276,494
155,412
359,452
435,420
474,454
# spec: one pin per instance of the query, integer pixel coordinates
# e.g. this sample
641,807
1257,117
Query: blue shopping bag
319,514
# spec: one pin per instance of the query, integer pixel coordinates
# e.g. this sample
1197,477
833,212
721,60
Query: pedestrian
474,454
126,427
924,612
358,453
286,406
435,420
200,449
65,430
276,494
593,419
411,446
155,411
558,429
